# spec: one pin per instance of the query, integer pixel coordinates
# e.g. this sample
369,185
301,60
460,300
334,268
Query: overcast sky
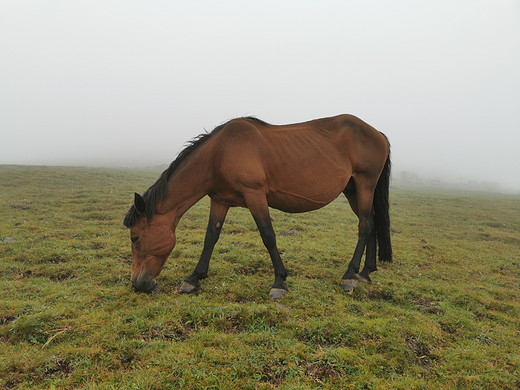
128,82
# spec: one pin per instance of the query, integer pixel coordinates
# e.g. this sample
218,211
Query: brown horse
249,163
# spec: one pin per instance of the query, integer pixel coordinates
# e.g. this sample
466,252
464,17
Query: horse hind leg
360,195
370,255
370,259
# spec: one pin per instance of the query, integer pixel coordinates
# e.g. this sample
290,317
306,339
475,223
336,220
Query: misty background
127,83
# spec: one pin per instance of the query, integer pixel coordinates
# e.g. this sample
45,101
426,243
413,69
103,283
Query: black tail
381,214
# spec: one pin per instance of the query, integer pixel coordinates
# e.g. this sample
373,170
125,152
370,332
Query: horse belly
305,173
307,192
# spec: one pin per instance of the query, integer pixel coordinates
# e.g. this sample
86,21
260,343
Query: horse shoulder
236,155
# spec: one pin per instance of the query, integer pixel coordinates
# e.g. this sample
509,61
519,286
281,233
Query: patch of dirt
10,384
58,365
56,259
421,351
23,275
178,334
273,374
381,294
320,372
4,320
59,277
21,206
426,247
252,269
98,245
428,306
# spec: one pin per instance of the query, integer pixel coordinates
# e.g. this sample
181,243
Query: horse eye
134,239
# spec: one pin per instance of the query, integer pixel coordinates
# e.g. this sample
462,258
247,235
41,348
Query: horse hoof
277,293
186,288
349,284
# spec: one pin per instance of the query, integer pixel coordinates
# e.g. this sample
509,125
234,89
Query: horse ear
139,203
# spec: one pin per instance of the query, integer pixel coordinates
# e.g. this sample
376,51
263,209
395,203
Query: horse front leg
217,215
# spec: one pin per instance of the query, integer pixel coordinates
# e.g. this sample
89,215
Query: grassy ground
444,315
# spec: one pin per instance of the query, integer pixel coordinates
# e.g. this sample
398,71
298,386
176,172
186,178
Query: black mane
157,192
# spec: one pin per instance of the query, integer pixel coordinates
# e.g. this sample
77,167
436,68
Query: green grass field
445,314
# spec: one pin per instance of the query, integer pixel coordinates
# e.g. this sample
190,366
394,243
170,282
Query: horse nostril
143,284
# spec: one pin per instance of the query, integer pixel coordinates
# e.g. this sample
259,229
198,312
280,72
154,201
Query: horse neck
188,184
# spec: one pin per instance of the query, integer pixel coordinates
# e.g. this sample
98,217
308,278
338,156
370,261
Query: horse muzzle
143,283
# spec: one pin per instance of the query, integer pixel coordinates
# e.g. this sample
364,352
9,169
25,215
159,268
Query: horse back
301,166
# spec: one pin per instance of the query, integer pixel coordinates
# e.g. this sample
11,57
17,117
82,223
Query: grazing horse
249,163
